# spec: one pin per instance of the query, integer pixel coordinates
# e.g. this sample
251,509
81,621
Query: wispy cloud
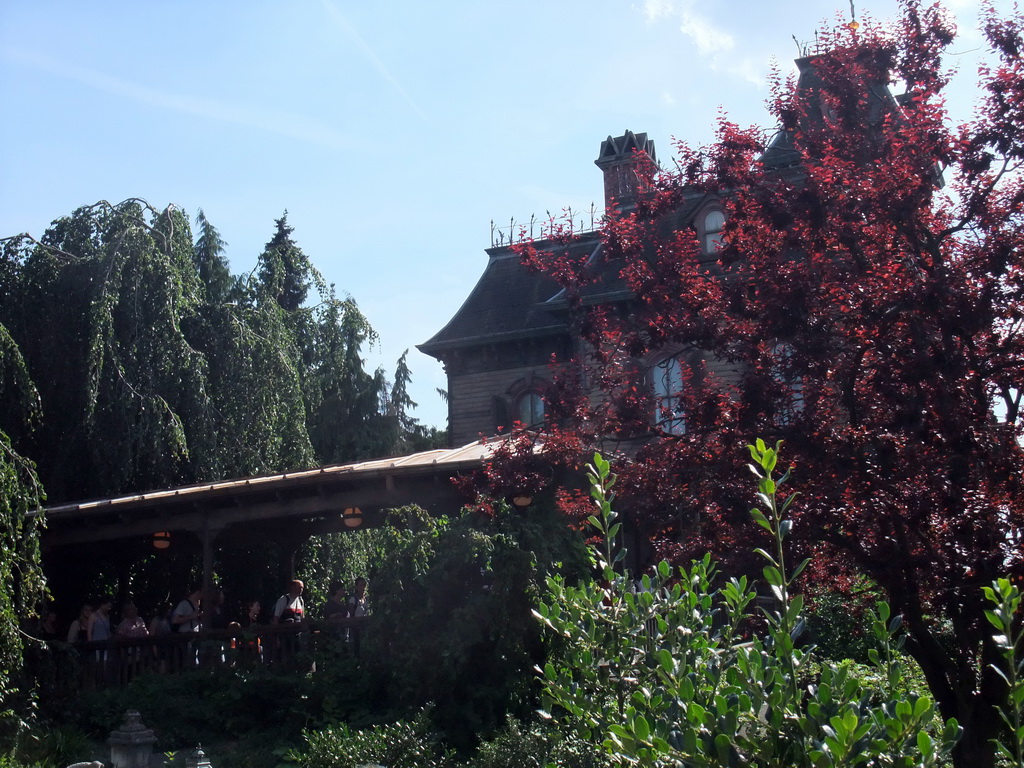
369,55
716,47
282,123
710,40
657,9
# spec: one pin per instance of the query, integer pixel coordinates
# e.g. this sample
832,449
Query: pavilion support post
208,534
290,543
123,578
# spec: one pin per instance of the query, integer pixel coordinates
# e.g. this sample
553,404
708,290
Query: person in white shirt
289,607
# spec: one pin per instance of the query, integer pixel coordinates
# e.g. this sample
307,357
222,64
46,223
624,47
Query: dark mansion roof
509,302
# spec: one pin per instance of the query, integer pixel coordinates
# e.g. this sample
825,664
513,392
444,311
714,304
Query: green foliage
536,745
131,360
1005,617
98,320
339,557
285,272
21,579
259,423
346,406
208,257
517,745
401,744
412,436
452,607
96,309
54,746
661,673
836,622
22,585
155,367
270,706
19,399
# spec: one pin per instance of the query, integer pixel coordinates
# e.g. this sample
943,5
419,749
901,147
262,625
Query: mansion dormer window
669,383
711,230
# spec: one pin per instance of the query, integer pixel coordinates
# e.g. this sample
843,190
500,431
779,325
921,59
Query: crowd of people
94,621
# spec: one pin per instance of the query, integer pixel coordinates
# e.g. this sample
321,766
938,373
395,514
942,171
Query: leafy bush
452,615
203,706
339,556
405,743
536,745
661,674
1004,615
837,625
402,744
54,747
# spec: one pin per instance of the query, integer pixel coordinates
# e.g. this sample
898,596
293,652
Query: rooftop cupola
629,163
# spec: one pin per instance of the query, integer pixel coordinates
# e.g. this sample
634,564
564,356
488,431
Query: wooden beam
427,491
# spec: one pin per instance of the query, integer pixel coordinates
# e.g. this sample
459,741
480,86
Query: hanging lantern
161,540
352,517
522,501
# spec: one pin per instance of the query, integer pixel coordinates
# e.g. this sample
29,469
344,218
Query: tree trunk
951,681
978,714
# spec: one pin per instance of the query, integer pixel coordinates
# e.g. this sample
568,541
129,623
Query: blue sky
392,132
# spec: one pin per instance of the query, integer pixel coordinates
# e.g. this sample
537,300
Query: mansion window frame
670,377
792,407
526,402
531,408
710,223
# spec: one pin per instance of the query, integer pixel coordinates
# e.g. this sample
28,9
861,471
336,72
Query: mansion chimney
629,163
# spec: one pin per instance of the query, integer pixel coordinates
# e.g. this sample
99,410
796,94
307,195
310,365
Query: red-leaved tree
864,301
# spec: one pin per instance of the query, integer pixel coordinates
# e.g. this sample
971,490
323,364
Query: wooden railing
116,662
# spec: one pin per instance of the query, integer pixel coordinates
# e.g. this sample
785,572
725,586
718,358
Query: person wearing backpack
186,616
289,607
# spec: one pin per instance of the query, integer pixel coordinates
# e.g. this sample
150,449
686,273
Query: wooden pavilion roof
301,502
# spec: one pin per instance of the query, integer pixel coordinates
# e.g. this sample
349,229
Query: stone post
131,745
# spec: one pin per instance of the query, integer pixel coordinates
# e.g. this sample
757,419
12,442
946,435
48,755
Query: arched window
711,230
782,372
669,382
524,402
530,409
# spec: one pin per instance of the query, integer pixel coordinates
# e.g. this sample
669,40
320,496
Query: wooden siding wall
473,399
473,395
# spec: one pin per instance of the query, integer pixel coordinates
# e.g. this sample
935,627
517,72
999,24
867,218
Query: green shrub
405,744
837,625
536,745
661,674
203,706
55,746
1006,600
402,744
452,621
